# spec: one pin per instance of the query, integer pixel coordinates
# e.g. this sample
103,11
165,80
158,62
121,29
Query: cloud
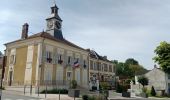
117,28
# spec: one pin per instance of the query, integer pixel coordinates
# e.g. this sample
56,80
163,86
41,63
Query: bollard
1,93
24,89
74,96
59,94
31,89
46,91
38,90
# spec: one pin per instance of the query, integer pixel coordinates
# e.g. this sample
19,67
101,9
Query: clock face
50,24
58,25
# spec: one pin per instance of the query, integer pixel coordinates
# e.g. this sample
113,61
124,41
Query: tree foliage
124,70
131,61
129,69
143,80
163,56
153,92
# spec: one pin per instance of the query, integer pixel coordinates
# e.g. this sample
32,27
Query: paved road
141,99
7,96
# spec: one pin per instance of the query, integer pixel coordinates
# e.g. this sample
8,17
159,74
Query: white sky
120,29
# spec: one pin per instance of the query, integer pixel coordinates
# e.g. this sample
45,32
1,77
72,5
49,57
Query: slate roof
94,54
48,36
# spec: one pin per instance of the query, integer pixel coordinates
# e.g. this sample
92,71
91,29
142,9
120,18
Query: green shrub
144,89
104,85
120,88
94,88
73,84
148,92
3,88
153,92
128,81
91,98
85,97
94,97
56,91
143,80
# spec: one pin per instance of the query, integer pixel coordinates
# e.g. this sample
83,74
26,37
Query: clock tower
54,23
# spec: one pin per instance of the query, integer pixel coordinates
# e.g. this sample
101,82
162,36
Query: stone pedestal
73,93
97,83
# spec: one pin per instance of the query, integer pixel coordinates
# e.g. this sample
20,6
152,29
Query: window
49,57
60,60
102,65
110,68
12,59
113,69
105,67
91,65
95,66
69,60
99,66
84,64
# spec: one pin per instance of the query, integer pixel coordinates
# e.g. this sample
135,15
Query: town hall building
48,58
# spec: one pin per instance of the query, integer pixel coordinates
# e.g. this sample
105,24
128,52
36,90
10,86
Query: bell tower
54,23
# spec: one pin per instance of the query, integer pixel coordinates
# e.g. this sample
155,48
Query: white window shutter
71,60
45,56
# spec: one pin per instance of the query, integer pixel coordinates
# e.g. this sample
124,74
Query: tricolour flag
76,64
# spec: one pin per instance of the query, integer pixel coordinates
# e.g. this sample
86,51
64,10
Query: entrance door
10,78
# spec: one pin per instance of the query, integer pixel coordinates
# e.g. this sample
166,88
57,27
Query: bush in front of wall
73,84
56,91
94,88
2,88
85,97
153,92
119,88
94,97
104,85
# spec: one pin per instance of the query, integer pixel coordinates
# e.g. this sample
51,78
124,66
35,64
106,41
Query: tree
138,69
129,69
115,61
163,56
135,67
143,80
122,69
153,93
131,61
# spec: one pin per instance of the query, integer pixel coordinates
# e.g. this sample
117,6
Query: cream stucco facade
27,63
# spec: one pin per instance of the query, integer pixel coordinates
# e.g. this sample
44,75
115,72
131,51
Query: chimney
25,31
